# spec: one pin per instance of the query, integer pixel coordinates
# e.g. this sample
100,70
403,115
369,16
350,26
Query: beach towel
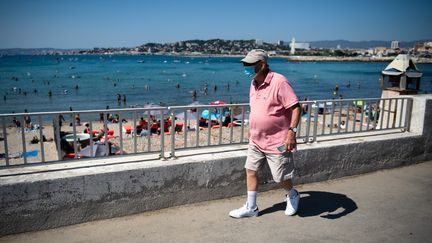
31,153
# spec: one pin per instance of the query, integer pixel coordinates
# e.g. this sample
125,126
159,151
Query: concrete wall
48,196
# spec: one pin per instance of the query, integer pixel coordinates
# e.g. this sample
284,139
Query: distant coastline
350,59
421,60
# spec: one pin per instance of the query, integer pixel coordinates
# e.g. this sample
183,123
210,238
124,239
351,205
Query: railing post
220,125
209,127
57,134
243,125
401,112
173,124
134,132
347,123
75,136
309,122
107,151
24,153
5,141
91,136
381,116
41,139
231,122
197,128
362,115
149,132
162,136
324,118
332,117
408,114
120,132
185,129
315,127
389,112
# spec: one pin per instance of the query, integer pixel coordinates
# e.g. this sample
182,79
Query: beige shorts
281,165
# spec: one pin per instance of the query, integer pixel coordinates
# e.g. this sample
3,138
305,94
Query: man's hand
290,142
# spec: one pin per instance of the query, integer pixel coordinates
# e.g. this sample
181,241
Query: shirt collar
269,77
267,80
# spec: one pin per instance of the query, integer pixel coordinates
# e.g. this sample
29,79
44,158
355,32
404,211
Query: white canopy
401,64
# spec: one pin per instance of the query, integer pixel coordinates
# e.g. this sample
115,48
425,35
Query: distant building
395,45
423,47
338,47
298,46
280,42
259,42
380,51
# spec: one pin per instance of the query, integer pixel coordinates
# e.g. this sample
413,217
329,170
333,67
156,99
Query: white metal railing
144,130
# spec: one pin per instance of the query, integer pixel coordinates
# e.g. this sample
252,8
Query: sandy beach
147,143
152,143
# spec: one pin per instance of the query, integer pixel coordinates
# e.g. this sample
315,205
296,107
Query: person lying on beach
47,140
341,125
35,140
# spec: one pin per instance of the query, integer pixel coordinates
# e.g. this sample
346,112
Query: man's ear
264,65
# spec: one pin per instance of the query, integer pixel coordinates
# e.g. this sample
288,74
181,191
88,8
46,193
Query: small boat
140,61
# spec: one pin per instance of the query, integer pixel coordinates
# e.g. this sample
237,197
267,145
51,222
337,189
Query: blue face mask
249,71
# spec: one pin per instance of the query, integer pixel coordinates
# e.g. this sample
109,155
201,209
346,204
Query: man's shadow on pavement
317,203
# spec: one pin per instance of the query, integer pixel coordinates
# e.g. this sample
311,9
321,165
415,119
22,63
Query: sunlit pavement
385,206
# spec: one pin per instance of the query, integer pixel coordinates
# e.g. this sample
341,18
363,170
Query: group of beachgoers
205,88
336,93
119,99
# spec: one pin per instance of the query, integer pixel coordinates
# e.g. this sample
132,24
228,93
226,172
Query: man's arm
290,140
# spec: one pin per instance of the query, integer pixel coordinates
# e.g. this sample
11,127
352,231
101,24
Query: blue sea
93,82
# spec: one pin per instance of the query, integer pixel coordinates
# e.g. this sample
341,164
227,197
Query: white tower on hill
292,46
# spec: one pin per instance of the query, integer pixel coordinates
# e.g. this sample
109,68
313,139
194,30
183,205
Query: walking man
274,115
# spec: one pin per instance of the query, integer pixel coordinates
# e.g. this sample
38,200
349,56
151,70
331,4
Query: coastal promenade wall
52,195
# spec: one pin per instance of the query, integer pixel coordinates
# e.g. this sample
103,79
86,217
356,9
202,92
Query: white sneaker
292,204
244,212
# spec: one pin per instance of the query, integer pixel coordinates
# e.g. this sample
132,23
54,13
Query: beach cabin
401,76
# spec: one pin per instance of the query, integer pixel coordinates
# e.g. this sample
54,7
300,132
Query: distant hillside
213,46
36,51
361,44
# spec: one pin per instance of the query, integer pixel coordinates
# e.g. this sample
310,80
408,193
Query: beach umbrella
156,109
190,115
213,116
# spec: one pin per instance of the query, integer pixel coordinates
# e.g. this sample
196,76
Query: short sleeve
286,94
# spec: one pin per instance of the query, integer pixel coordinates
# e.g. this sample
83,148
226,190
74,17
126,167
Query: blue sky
88,24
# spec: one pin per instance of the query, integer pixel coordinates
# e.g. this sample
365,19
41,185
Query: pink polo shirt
269,115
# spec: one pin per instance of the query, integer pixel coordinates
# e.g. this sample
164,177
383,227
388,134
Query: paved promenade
385,206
